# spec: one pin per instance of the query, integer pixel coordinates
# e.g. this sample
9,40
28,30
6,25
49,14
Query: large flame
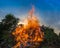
28,31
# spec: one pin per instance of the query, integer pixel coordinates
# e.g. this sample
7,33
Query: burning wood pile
28,32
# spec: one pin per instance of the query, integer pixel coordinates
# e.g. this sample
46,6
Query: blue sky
47,10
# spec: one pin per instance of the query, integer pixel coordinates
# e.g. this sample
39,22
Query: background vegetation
8,24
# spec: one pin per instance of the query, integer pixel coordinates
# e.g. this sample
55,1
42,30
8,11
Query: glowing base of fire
27,37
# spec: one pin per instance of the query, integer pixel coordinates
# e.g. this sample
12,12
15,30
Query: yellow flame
28,31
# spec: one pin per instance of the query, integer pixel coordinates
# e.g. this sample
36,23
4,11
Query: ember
28,32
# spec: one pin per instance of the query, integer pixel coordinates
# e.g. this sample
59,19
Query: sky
48,11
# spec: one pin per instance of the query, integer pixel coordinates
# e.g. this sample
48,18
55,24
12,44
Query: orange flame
28,31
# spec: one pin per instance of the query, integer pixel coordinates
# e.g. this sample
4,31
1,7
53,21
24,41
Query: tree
50,38
7,25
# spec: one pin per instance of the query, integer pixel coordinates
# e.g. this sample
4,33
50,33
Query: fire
28,32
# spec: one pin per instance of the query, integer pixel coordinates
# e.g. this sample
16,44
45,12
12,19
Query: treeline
8,24
51,39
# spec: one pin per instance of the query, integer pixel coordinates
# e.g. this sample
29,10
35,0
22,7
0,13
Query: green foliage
7,25
51,39
9,22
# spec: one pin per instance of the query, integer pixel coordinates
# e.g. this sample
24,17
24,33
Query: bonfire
28,32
